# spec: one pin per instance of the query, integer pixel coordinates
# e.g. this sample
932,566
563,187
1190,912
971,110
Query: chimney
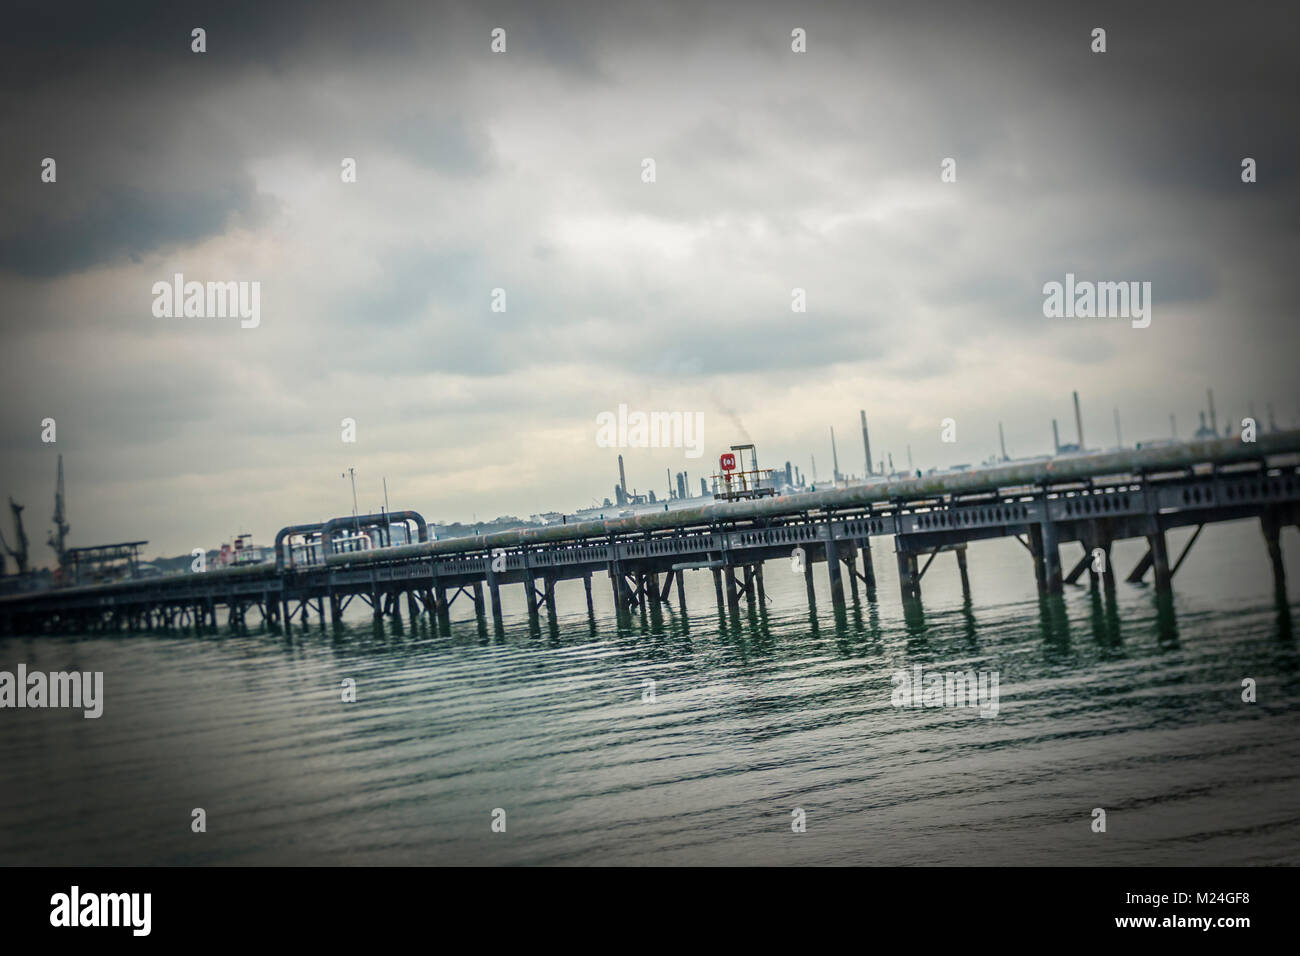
835,457
1214,421
1002,440
1056,439
866,439
1078,420
622,478
1119,438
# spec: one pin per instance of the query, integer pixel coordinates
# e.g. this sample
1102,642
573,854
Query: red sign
728,462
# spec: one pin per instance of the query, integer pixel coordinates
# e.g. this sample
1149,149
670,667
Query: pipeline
326,529
381,520
286,532
1060,470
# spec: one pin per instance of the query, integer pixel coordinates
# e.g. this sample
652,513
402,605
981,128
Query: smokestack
891,462
866,439
1056,439
704,489
622,478
789,475
1119,439
1214,421
669,473
1078,420
835,457
909,457
1002,440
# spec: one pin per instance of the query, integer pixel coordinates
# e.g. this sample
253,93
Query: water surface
1123,706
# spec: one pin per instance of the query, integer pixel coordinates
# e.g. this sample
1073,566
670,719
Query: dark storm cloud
126,223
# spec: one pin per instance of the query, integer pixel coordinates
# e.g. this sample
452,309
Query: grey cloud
125,224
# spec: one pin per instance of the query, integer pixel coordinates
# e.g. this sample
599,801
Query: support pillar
851,559
1108,579
444,609
1139,572
1036,552
494,594
623,599
909,584
1270,523
530,586
961,568
833,571
808,580
717,587
1160,558
681,591
1051,556
868,567
549,585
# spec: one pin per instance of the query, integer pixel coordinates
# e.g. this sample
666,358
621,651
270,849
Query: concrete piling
833,571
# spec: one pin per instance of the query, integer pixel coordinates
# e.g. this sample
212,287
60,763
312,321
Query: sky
775,170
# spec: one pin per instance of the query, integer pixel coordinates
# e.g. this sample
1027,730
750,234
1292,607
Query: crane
19,554
58,538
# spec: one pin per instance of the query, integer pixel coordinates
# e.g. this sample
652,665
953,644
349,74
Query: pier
1071,507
